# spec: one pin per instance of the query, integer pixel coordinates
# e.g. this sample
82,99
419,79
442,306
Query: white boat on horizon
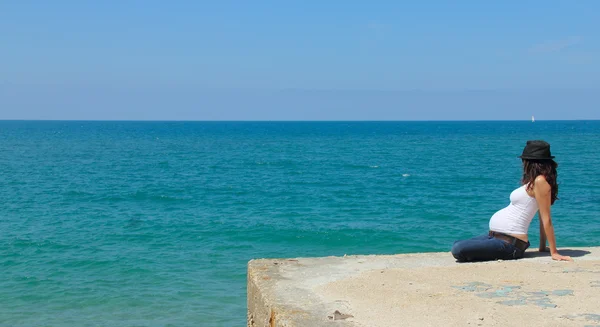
532,119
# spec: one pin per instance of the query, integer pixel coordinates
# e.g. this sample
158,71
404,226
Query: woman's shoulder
540,182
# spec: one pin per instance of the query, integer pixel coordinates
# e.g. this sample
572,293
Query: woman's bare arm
542,192
543,247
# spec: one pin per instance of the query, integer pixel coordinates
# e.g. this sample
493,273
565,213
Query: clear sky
288,60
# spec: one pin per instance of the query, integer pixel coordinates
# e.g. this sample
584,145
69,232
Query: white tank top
516,218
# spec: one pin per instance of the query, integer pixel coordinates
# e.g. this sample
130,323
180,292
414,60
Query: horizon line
290,120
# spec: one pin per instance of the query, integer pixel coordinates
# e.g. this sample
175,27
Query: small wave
142,196
134,222
277,163
358,166
77,193
153,197
405,175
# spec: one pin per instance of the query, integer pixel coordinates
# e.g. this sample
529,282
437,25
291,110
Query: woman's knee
457,250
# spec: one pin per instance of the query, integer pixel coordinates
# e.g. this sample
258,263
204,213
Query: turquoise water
152,223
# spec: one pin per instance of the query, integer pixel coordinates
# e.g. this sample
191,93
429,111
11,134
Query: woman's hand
558,257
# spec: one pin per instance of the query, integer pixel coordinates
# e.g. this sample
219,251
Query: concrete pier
425,289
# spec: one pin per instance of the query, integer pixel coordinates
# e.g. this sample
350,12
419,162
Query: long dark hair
546,168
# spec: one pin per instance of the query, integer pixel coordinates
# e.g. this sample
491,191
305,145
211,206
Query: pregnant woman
507,237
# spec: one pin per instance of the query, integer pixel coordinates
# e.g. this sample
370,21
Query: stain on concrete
589,317
595,283
543,303
580,270
474,287
503,292
512,303
272,318
540,299
490,295
514,294
562,292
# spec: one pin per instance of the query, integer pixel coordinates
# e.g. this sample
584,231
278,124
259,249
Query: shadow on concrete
571,253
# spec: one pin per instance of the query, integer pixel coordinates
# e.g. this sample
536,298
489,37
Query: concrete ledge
425,289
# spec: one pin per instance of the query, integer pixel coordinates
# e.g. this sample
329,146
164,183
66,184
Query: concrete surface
425,289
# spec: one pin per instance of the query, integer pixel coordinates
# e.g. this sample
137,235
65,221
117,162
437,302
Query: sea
153,223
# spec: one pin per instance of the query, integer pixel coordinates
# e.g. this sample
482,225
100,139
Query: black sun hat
537,150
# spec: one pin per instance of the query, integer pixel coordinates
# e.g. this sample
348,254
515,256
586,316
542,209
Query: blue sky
289,60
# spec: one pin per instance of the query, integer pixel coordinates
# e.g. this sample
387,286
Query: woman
507,238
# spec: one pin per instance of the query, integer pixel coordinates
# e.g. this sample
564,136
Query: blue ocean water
152,223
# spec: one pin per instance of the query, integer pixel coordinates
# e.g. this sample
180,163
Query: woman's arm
543,247
542,192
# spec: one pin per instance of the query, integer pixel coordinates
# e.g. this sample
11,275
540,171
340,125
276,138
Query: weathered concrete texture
425,289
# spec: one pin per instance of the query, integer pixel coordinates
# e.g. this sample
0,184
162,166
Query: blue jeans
484,248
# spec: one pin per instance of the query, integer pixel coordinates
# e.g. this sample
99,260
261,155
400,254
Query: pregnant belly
500,223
